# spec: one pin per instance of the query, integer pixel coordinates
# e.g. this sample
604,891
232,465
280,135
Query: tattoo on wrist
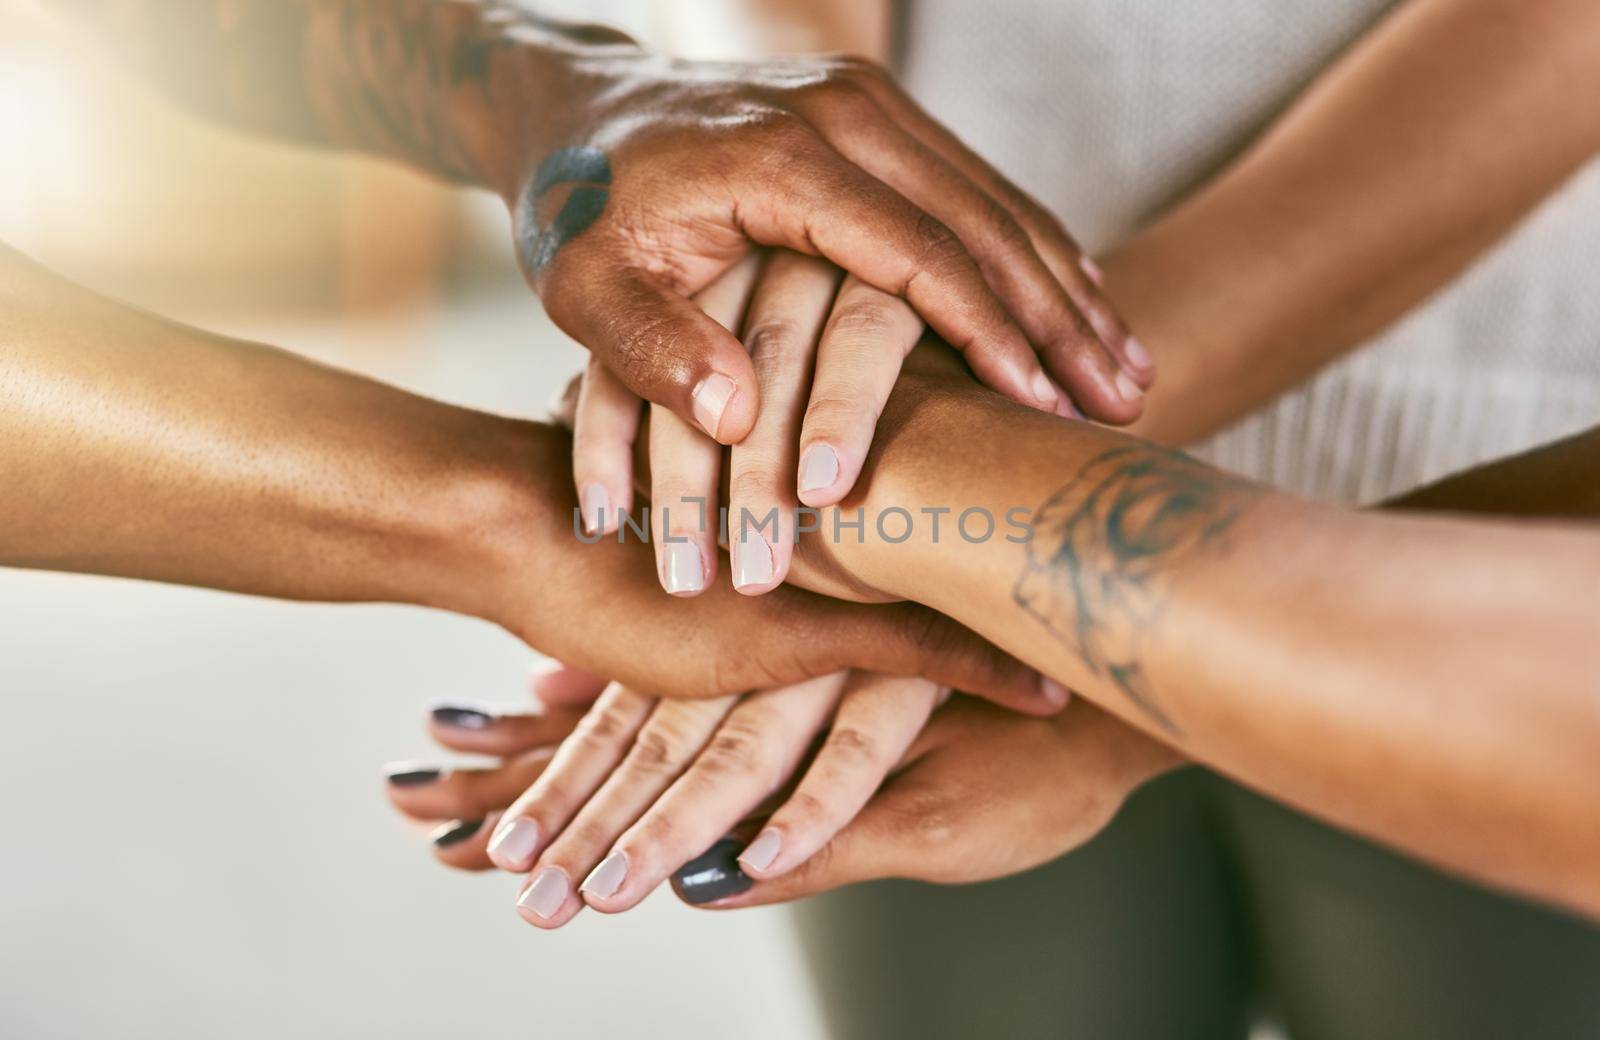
1102,548
588,173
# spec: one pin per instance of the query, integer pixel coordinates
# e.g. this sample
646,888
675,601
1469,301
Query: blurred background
199,845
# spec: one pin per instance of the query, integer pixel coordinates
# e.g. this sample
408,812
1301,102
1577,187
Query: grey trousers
1203,909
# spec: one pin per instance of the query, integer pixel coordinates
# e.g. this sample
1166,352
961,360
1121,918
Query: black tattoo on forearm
588,172
1102,547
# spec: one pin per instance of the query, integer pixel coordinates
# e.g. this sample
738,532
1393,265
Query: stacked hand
816,785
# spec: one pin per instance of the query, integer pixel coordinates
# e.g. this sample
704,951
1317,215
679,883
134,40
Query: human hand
979,793
668,172
644,786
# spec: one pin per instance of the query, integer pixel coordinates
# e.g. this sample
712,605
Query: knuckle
657,751
752,487
833,413
603,728
855,746
1003,232
863,320
937,247
771,337
735,751
806,809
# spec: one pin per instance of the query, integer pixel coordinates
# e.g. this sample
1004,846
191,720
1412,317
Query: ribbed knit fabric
1109,110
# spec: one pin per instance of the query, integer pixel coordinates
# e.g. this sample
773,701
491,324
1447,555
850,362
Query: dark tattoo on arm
588,173
408,78
1101,549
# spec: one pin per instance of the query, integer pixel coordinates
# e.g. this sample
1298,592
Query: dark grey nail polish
455,833
713,875
415,777
462,717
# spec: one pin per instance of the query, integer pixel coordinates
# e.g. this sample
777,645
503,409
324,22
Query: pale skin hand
635,180
974,794
933,821
141,448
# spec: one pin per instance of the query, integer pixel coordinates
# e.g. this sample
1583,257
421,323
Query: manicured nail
711,397
454,833
548,891
819,468
763,850
1128,388
413,776
1044,392
752,559
1054,692
684,572
595,505
1092,269
1138,356
605,879
713,875
514,843
460,716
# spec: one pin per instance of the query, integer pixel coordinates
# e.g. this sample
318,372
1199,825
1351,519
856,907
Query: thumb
663,347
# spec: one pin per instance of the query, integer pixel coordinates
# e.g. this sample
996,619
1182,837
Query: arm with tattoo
634,180
1428,680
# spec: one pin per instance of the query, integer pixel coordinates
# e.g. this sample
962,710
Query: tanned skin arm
1407,159
1431,682
634,180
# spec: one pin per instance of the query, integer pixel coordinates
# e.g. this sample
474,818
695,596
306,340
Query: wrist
477,519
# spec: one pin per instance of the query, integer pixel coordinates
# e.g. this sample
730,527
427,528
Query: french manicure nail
548,891
460,716
514,843
595,505
1137,354
454,833
752,561
711,396
414,776
684,571
1092,269
1044,392
763,850
819,468
1128,388
605,879
1054,692
713,875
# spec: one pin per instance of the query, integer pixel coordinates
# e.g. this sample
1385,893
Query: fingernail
548,891
514,843
1128,388
1044,392
711,397
1054,692
413,776
684,570
819,468
713,875
605,879
595,505
763,850
752,560
1137,354
1092,269
454,833
459,716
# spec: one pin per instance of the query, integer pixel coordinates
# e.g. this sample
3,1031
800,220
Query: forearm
1415,152
462,88
1430,682
137,447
